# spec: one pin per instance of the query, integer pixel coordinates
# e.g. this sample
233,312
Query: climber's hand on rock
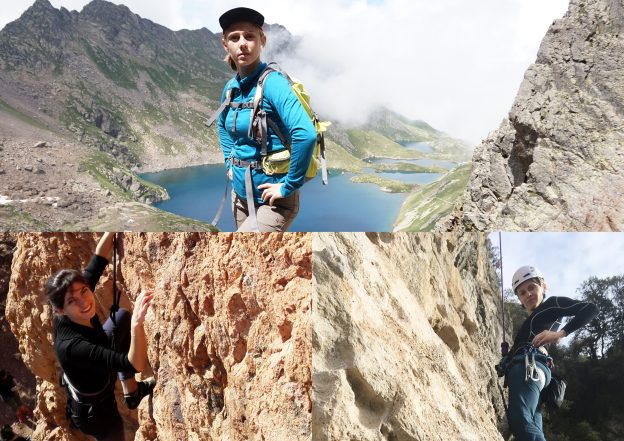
141,306
546,337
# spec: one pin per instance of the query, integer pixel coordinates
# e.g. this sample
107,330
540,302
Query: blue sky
565,259
456,64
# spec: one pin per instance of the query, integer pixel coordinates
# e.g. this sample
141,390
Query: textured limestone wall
228,334
557,162
405,338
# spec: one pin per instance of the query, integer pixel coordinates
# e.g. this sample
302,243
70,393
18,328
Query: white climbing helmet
523,274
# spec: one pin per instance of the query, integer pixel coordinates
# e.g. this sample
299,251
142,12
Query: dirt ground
41,184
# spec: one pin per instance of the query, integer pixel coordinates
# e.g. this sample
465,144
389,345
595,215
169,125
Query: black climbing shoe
144,388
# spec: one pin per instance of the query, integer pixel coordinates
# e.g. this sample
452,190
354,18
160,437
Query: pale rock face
557,162
228,332
405,338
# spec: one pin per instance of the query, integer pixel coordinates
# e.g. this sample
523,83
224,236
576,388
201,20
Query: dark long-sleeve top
548,315
83,352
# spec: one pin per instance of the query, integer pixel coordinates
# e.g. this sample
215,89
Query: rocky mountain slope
557,162
119,82
382,137
104,92
405,337
426,206
229,332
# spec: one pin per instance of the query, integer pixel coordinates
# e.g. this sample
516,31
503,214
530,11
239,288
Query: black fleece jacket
548,315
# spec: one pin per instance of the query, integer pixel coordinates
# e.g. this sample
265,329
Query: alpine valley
90,100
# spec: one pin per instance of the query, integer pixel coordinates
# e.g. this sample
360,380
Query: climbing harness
81,397
81,407
504,343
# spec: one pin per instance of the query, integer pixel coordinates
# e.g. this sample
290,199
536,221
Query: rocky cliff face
228,334
405,337
556,162
10,358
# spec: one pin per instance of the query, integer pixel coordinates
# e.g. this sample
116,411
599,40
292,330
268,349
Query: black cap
240,14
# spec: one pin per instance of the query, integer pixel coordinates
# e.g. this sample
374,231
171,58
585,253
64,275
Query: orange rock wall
229,331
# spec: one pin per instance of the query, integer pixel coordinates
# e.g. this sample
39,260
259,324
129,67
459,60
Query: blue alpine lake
196,192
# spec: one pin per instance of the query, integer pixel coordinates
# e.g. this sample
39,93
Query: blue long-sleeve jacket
284,108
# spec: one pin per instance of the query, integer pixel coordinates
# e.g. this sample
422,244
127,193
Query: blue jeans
523,413
121,336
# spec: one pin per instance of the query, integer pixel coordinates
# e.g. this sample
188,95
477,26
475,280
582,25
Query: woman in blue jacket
262,200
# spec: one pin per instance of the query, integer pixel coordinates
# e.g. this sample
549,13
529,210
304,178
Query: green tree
606,331
592,367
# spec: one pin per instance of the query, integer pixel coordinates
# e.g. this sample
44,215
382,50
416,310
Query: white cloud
455,64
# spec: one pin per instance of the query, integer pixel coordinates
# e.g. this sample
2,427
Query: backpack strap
259,121
251,203
215,220
114,308
226,103
321,142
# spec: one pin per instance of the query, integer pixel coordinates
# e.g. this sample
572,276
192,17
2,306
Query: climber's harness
524,354
81,406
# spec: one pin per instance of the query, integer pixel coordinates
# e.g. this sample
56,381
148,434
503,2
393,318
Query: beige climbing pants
270,219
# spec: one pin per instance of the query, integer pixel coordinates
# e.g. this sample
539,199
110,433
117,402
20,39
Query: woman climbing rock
267,162
91,354
528,367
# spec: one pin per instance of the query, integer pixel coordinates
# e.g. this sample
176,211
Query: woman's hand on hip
271,192
141,305
546,337
229,174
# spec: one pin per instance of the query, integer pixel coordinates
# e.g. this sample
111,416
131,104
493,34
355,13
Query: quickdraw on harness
116,293
531,373
259,123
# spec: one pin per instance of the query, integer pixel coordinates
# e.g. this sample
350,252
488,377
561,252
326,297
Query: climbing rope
116,293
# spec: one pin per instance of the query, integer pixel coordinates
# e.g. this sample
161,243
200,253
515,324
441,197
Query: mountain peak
41,18
40,7
104,11
42,4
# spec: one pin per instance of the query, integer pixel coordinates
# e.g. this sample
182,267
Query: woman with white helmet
528,367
